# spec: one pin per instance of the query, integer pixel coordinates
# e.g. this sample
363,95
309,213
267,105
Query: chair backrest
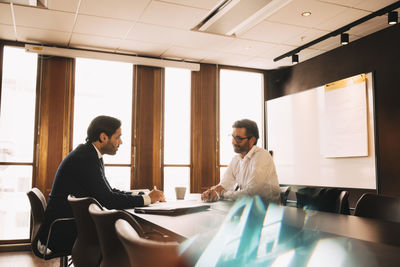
379,207
342,203
112,250
38,206
86,249
144,252
285,190
322,199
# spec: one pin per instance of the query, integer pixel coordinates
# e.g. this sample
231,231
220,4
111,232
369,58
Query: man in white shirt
251,172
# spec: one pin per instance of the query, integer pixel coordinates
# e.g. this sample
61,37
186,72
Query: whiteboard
297,134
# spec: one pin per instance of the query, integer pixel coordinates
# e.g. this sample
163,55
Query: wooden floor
25,259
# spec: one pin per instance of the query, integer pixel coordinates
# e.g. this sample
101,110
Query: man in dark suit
81,174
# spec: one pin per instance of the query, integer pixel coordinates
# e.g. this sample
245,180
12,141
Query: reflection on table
247,233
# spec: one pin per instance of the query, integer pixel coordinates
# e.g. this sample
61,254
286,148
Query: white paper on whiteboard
345,117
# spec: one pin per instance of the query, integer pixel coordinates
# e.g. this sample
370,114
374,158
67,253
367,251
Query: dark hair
250,126
102,124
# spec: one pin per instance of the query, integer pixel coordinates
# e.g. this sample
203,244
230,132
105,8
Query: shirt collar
251,152
98,152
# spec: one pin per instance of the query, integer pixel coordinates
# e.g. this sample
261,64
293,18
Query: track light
392,17
295,59
344,38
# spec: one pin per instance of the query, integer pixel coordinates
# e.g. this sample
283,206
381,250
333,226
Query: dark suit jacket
80,174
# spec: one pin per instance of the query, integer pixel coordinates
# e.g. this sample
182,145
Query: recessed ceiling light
306,14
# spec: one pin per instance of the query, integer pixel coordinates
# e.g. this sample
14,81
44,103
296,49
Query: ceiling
163,28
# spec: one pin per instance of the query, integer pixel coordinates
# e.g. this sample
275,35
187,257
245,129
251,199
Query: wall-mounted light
344,38
393,17
295,59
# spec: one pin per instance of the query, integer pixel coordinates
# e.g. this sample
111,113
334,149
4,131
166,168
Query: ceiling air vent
234,17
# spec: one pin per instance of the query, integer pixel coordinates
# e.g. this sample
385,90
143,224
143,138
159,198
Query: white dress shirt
146,198
252,175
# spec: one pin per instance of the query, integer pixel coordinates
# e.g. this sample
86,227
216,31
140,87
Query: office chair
86,250
141,251
342,203
322,199
112,250
38,206
378,207
285,190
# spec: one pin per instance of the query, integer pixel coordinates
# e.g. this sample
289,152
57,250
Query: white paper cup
180,192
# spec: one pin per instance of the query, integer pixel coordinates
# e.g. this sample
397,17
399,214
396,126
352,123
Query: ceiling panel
205,4
118,9
373,5
154,33
142,48
306,37
273,32
347,3
5,17
180,53
320,12
166,35
266,63
94,42
7,32
172,15
43,18
328,44
248,47
226,59
370,26
25,34
102,26
62,5
342,19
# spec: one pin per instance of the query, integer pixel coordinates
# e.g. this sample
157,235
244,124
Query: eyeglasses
239,139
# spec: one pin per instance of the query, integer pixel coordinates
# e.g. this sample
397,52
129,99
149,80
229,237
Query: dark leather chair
144,252
285,190
86,250
322,199
378,207
38,206
342,203
112,251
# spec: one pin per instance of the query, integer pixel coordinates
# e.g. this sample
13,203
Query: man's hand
156,195
212,194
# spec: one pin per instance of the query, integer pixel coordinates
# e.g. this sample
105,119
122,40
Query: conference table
379,239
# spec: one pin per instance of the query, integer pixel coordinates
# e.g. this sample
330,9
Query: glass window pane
103,88
176,176
241,97
15,181
17,114
119,177
177,116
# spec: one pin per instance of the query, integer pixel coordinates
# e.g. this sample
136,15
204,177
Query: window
17,124
241,97
176,130
105,88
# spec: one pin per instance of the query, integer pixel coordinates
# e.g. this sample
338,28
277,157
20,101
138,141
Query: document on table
174,207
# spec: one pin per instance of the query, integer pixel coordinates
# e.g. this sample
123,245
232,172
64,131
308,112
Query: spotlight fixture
392,17
344,38
295,59
306,13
